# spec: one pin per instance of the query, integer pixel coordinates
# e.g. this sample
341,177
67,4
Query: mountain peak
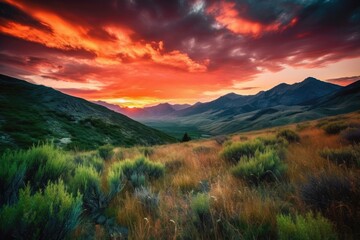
231,95
311,79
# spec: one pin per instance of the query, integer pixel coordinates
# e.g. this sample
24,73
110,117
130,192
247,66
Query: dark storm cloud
11,13
307,33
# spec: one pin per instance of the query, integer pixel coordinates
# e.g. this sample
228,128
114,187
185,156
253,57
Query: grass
254,185
348,156
308,227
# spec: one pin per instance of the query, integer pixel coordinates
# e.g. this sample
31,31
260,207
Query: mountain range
31,113
283,104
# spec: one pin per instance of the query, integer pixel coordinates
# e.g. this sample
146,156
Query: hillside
283,104
297,180
31,113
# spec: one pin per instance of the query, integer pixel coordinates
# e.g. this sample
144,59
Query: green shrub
263,166
139,170
350,156
12,174
106,152
42,163
302,228
289,135
334,127
146,151
200,206
89,159
115,181
51,214
235,151
86,178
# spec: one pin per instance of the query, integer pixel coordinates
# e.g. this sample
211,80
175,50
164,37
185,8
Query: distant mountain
283,94
31,113
152,112
283,104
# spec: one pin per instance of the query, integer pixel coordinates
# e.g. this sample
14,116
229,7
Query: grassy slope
31,113
228,207
230,197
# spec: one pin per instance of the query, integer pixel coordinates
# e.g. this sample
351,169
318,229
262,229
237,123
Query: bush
301,228
85,179
41,164
350,156
221,139
106,152
334,127
51,214
147,198
351,135
263,166
12,174
200,206
89,159
140,170
337,198
186,138
289,135
115,181
146,151
235,151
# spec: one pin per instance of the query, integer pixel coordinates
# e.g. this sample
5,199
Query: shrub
337,198
147,198
12,174
301,228
90,159
85,179
146,151
51,214
139,170
334,127
42,163
262,166
221,139
349,156
200,206
186,138
115,181
235,151
352,135
106,152
289,135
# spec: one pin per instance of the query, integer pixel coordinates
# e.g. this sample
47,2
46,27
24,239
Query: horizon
138,54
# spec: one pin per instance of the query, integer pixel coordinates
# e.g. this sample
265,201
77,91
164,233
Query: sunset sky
143,52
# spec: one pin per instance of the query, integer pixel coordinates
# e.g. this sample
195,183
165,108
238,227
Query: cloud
171,49
344,80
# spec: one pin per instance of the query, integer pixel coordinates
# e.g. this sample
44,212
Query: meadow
298,181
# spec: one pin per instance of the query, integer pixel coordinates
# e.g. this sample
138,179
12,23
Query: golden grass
189,163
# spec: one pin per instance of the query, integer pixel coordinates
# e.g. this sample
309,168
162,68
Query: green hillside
31,113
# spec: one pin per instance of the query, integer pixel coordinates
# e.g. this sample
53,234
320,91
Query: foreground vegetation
297,182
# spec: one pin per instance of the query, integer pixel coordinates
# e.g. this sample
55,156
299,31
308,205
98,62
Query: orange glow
68,36
226,14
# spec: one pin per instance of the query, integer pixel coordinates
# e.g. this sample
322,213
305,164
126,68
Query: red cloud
226,14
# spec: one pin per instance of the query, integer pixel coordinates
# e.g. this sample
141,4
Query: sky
141,52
